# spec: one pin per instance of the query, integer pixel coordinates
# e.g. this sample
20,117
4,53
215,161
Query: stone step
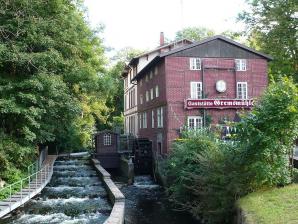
12,200
4,203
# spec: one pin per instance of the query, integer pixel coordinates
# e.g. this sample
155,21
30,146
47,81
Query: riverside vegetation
207,176
55,88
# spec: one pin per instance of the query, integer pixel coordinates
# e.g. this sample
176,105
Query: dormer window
240,64
195,64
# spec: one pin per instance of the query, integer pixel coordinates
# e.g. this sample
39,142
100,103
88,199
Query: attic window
195,64
240,64
107,139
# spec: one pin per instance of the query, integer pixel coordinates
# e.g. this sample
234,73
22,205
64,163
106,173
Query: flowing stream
146,203
74,195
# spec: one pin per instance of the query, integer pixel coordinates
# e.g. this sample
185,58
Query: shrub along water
206,176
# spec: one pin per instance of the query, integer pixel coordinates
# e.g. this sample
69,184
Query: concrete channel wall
115,195
240,216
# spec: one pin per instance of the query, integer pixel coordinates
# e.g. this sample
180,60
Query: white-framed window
156,70
152,118
141,99
146,78
156,91
240,64
151,74
147,96
140,121
141,82
151,94
242,90
194,122
160,117
107,139
144,119
127,100
196,90
195,64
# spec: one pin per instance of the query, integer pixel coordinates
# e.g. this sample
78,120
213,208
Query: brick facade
172,74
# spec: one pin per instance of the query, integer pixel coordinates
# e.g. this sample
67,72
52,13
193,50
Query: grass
275,206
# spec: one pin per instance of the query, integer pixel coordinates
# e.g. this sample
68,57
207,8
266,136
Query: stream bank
146,203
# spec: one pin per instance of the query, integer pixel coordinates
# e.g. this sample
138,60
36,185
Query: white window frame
152,118
151,74
141,99
156,70
107,139
243,92
156,91
151,94
127,100
160,117
144,119
147,96
195,63
197,122
140,121
196,90
240,64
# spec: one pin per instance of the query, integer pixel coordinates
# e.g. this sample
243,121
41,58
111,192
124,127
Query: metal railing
30,183
34,167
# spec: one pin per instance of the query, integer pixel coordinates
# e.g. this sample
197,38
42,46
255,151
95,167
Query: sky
138,23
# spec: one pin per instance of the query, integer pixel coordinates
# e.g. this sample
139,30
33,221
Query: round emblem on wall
221,86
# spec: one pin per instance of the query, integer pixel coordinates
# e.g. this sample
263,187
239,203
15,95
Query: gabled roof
136,59
214,38
166,45
220,37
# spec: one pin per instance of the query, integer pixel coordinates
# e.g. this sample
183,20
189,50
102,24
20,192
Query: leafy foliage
52,88
206,176
194,33
200,33
272,27
114,82
267,135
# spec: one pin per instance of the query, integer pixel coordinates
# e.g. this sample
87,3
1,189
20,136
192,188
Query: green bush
295,176
201,177
14,158
206,176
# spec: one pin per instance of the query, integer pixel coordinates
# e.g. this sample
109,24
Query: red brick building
199,84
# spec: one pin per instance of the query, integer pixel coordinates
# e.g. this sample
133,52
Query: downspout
203,93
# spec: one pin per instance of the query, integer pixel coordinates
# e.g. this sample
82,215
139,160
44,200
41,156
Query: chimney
162,39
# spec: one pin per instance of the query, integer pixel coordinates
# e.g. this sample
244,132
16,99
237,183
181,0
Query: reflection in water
146,203
74,195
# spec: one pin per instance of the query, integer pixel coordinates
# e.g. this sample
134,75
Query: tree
205,175
272,28
200,33
194,33
113,78
51,75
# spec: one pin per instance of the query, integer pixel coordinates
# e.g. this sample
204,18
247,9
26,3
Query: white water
74,195
145,181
